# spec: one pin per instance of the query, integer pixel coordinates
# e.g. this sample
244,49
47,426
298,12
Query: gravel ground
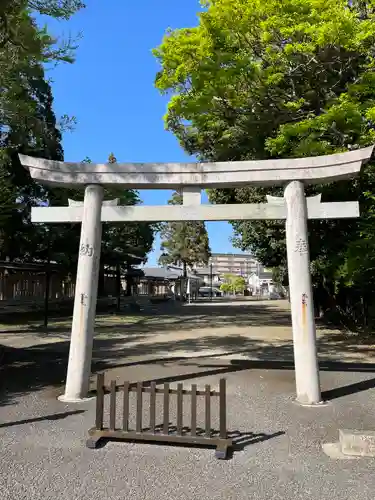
43,453
245,329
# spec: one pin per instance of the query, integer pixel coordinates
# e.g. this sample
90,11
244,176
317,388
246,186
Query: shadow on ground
55,416
240,439
172,315
44,366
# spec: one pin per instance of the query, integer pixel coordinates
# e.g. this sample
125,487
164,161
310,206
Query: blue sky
110,90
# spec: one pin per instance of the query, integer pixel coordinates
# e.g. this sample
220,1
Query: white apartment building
234,263
229,263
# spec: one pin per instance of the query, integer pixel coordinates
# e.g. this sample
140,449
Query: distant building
258,278
261,284
169,279
228,263
234,263
205,274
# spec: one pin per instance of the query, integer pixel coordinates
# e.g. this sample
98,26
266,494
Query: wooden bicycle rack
163,433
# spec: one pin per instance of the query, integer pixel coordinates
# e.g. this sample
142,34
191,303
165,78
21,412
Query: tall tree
233,284
24,49
27,122
184,243
259,80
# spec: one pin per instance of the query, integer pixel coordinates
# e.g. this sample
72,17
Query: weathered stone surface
311,201
83,324
195,212
214,175
105,203
192,195
333,450
357,443
300,289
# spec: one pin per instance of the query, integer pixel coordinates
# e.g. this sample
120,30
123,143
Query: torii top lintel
318,169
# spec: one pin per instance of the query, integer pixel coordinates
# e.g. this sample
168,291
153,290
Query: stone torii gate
191,178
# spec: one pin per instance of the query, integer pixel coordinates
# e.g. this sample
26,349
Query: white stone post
86,291
301,298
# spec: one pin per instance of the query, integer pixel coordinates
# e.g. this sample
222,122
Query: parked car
274,296
205,291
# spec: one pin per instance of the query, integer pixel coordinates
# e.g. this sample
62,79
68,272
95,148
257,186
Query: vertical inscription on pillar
301,246
86,250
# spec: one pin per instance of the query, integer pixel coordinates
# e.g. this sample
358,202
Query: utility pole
211,279
47,280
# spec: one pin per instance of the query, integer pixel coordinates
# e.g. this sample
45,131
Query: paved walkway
279,444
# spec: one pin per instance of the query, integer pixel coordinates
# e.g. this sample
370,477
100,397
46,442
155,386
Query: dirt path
235,329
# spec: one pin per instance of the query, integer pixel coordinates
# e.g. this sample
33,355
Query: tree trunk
101,290
319,295
129,281
184,271
365,311
118,287
47,282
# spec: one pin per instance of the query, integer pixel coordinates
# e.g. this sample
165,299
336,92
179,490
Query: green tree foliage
122,239
7,206
43,141
259,80
59,9
27,122
233,284
24,50
184,243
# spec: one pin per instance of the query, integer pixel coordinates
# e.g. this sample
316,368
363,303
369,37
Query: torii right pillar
301,296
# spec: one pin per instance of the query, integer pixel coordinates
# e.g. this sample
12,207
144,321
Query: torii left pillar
81,341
